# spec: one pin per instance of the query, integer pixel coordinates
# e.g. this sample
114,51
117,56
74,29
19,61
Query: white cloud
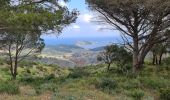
86,17
62,3
76,26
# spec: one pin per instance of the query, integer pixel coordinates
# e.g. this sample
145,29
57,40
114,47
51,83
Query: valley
69,55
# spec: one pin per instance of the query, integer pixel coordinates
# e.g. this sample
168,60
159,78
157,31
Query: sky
85,27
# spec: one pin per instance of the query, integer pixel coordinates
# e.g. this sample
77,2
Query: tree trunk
156,60
160,58
14,76
108,67
141,59
16,62
11,63
139,56
153,59
15,69
135,55
135,62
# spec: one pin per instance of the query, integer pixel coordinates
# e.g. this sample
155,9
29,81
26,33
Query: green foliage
78,73
165,93
45,87
22,25
5,69
117,55
9,87
166,63
88,82
27,78
41,68
41,85
106,84
137,94
131,84
50,77
154,82
25,63
125,69
2,61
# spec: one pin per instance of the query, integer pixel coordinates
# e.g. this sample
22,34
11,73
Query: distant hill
62,48
83,43
69,55
98,48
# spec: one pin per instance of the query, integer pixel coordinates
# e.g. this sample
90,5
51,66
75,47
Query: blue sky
84,27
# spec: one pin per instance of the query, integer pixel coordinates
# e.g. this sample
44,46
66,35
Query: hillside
37,81
62,48
84,49
98,48
68,56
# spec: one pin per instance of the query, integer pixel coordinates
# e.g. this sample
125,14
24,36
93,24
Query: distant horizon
84,27
83,30
95,41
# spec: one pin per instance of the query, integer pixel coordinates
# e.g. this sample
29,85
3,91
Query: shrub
132,84
124,69
50,77
25,63
165,93
167,61
154,82
40,68
27,78
9,87
78,73
5,69
28,71
106,84
46,86
2,61
137,94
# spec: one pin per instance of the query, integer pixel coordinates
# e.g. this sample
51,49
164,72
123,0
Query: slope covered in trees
123,72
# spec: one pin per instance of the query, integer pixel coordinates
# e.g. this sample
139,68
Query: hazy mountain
62,48
98,48
83,43
69,55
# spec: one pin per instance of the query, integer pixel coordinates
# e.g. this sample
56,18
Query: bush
106,84
165,93
132,84
5,69
25,63
50,77
2,61
78,73
137,94
45,87
41,68
167,61
9,87
154,82
125,69
27,78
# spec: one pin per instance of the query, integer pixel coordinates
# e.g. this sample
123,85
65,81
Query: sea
87,43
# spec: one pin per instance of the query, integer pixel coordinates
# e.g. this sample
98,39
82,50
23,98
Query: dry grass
44,96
